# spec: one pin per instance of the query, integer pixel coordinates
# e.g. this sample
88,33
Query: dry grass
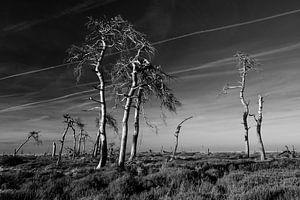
151,176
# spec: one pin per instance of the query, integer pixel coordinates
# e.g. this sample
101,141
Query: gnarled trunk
136,125
62,144
126,115
101,137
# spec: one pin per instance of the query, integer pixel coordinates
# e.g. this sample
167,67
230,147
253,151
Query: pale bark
74,144
258,128
62,144
101,136
126,116
53,150
177,134
246,110
83,147
79,142
136,125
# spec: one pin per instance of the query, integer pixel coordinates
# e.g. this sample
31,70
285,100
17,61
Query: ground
151,176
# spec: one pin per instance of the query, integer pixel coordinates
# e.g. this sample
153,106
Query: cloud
81,7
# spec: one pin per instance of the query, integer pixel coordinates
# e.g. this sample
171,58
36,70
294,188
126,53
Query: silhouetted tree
245,65
32,134
69,121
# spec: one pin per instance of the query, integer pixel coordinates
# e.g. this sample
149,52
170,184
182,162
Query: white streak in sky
174,38
230,59
21,107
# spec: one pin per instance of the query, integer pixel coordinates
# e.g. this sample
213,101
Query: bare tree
103,36
32,134
111,123
152,81
245,65
258,121
69,121
177,134
81,126
53,150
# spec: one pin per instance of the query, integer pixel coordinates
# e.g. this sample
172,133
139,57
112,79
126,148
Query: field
151,176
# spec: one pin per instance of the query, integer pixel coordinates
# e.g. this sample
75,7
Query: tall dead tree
128,68
69,121
245,65
32,134
258,121
104,36
153,82
178,128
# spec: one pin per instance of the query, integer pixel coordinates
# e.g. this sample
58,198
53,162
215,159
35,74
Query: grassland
151,176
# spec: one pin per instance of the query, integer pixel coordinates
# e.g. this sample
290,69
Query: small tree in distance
31,134
245,65
178,128
69,121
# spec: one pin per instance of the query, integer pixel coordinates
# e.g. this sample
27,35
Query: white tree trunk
126,116
53,150
75,142
79,143
101,136
258,128
62,144
102,124
246,111
136,125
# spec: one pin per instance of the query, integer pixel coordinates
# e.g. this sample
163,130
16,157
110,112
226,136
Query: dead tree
32,134
153,82
125,79
245,65
112,35
258,121
177,134
81,126
53,150
69,121
288,153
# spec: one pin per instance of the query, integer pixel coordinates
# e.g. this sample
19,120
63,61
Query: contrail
227,26
23,106
33,71
172,39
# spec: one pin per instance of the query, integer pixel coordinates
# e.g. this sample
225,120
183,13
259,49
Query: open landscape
152,176
111,99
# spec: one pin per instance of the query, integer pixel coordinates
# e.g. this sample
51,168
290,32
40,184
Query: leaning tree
105,36
31,134
69,121
245,65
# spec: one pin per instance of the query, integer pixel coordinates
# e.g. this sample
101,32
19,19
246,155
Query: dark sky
35,35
